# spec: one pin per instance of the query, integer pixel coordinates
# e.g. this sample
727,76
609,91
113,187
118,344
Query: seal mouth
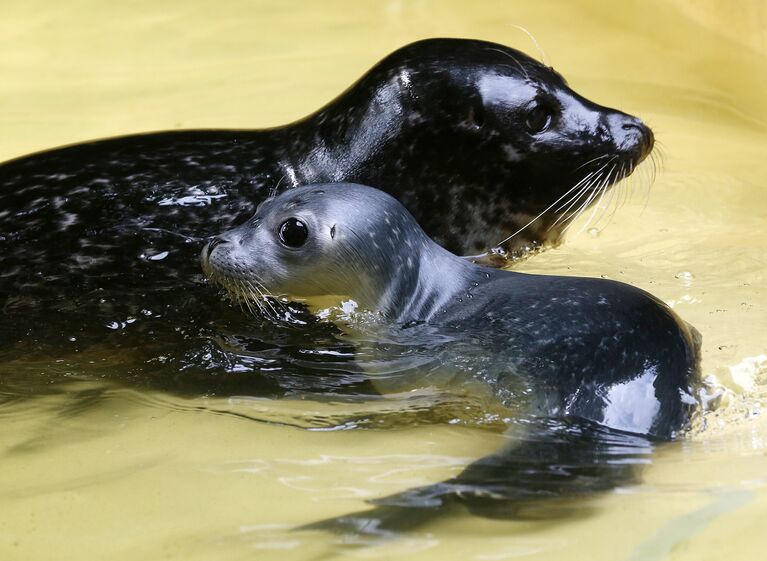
600,184
248,292
252,296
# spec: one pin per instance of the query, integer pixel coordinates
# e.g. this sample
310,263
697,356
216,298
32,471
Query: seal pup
602,367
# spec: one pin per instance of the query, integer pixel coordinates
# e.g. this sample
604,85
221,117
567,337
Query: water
95,468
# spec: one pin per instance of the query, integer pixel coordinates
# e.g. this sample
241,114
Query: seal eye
538,118
293,232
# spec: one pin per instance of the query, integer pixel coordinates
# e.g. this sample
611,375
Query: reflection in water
545,464
314,377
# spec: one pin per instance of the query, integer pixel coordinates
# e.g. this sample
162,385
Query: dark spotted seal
573,350
473,137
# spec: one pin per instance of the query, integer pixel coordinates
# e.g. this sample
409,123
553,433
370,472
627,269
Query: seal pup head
502,142
338,242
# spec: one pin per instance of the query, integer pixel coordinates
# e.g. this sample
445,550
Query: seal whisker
592,160
185,237
599,186
259,299
542,54
588,179
652,174
567,216
509,55
612,197
609,209
598,207
564,216
268,299
625,195
244,298
274,190
581,209
250,299
547,209
592,178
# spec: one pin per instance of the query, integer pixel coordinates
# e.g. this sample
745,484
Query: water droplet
158,257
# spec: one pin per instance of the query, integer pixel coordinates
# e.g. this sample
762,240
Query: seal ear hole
293,232
333,231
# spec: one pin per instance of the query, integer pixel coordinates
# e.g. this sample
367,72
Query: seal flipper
554,459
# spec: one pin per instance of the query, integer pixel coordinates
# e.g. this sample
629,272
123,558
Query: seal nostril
215,242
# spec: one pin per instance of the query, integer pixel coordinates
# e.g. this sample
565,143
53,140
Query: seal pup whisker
247,298
185,237
259,297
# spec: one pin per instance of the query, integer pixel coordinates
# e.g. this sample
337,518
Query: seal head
504,146
323,241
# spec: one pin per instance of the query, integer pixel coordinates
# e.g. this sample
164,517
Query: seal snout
643,133
215,242
630,135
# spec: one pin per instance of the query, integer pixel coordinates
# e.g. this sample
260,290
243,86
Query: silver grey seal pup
602,356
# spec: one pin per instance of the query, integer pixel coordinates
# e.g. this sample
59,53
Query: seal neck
436,279
340,139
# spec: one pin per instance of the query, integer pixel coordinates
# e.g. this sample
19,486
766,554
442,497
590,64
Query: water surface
95,469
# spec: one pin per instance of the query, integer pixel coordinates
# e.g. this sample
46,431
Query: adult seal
473,137
576,352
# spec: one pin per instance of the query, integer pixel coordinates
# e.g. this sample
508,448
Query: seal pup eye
293,232
538,118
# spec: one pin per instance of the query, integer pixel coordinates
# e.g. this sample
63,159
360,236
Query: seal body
596,371
594,349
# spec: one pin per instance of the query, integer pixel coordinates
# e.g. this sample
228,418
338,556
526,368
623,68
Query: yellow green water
150,476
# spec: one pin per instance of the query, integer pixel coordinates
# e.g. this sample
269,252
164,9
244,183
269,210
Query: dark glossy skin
447,126
605,368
